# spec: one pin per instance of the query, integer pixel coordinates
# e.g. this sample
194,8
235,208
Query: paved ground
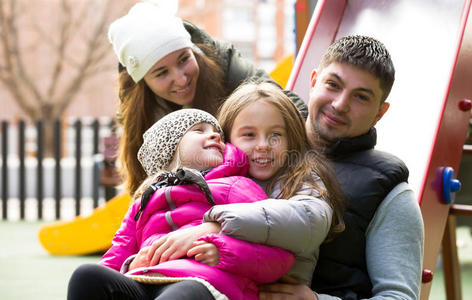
27,271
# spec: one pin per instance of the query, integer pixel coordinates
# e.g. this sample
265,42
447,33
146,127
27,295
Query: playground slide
425,127
282,70
87,235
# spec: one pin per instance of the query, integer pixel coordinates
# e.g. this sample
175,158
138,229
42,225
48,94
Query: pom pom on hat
161,139
146,34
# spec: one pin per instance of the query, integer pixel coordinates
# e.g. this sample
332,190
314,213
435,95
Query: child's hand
205,253
176,244
141,259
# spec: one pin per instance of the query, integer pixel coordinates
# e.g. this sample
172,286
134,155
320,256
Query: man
380,253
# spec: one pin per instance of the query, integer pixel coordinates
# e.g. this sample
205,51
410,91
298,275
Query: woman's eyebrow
184,52
158,69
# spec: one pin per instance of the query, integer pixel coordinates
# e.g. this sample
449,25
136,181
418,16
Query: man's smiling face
345,102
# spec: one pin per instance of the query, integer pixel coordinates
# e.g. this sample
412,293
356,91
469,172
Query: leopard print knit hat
161,139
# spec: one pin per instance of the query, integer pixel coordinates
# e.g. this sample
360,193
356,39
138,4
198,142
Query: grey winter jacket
299,224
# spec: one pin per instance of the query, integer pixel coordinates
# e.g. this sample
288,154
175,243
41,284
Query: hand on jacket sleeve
139,260
205,253
261,263
176,244
295,225
124,242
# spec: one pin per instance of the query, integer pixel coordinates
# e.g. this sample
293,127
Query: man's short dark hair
366,53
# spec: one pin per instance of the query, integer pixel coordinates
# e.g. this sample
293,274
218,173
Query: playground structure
431,46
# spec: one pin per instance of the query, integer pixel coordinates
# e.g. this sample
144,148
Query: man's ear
313,78
382,110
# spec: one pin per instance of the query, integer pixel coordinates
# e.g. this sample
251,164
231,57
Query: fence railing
75,174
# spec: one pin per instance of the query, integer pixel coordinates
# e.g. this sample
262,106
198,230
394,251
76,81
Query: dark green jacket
237,68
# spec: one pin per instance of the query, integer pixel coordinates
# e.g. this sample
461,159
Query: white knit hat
145,35
161,139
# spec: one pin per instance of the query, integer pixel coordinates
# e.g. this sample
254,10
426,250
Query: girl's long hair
301,161
140,108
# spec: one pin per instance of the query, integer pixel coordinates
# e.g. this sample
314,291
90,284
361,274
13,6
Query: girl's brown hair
140,108
301,161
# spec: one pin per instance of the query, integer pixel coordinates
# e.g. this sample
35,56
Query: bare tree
69,34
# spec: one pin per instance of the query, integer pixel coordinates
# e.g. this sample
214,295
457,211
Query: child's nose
215,136
262,144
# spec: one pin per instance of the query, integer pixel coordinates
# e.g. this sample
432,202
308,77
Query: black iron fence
104,143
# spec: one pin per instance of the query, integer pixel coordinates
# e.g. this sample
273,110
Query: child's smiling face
200,148
259,130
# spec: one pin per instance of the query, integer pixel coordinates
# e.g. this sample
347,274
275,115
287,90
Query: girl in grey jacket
306,205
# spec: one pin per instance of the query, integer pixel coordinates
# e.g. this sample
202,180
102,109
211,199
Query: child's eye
275,138
197,128
248,134
215,130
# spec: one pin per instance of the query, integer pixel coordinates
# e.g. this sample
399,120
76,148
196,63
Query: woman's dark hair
140,108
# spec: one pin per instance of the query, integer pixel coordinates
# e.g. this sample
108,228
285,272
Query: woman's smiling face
174,77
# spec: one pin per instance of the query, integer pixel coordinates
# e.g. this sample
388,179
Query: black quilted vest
366,176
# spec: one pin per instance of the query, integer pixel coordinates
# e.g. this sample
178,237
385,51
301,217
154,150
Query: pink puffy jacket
243,265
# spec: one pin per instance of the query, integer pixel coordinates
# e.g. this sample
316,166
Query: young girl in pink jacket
190,170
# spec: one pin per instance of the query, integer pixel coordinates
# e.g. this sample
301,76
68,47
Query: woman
168,64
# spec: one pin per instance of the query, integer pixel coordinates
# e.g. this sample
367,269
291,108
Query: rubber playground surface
27,271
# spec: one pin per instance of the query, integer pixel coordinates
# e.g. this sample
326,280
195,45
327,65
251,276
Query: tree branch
19,72
88,61
68,71
9,76
77,23
64,26
4,21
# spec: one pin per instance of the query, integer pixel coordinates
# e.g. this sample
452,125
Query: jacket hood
235,163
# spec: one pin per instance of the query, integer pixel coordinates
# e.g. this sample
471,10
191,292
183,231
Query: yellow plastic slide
281,72
86,235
